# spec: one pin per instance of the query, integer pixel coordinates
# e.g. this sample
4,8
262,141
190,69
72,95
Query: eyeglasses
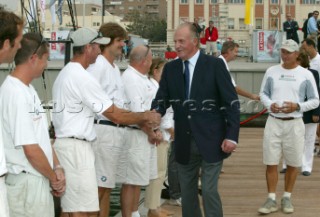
98,36
148,49
43,41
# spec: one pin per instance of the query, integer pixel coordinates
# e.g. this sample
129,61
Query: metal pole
83,12
103,13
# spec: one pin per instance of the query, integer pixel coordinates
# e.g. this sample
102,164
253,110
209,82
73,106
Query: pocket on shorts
16,193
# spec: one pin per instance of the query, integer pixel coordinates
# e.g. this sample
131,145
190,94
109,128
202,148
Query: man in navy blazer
206,119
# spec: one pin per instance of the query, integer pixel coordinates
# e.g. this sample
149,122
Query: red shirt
211,35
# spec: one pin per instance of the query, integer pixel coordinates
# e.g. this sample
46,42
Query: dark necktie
186,78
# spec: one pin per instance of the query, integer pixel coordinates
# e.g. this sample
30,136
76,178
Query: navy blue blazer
209,116
307,116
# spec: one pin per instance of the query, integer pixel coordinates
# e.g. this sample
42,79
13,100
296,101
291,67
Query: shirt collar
193,60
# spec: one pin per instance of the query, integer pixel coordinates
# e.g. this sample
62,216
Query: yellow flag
247,16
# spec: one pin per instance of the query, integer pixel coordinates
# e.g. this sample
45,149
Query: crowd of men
107,124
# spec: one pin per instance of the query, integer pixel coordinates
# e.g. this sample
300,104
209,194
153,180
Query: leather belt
72,137
110,123
283,118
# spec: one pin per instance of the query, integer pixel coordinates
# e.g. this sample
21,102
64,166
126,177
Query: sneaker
268,207
306,173
175,202
286,205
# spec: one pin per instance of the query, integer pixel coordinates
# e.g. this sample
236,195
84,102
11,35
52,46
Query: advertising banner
266,45
57,50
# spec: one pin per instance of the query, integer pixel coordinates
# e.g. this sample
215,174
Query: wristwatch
298,107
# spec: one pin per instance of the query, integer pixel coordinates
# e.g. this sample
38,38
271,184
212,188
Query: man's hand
152,118
59,184
155,137
275,108
228,146
315,118
255,97
289,107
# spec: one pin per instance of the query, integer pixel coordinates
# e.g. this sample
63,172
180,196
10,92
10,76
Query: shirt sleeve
22,118
94,97
266,91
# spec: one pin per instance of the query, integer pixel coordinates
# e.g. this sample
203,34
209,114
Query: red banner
53,38
261,41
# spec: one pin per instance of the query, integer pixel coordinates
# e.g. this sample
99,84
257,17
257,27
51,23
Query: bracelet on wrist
57,167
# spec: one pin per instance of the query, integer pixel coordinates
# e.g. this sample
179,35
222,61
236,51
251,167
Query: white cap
290,45
86,35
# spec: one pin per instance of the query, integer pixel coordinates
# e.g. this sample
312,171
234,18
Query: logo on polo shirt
287,78
103,178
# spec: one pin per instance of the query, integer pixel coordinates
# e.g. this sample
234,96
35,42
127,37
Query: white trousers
310,138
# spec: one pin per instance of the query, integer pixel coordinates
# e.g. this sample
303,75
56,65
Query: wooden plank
243,186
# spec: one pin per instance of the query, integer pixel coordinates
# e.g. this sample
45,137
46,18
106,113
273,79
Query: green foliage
147,26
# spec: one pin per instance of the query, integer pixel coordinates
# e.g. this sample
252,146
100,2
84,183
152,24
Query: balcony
151,2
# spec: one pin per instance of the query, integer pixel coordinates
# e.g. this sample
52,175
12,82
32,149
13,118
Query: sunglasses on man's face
148,49
97,37
43,41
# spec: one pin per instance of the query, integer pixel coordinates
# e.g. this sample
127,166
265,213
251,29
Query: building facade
122,7
228,15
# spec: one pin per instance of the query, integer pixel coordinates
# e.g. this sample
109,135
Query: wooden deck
243,186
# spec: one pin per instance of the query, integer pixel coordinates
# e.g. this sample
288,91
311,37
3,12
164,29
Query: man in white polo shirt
229,52
111,137
141,158
283,91
78,98
33,167
10,37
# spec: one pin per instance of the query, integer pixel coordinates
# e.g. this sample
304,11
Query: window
236,1
131,8
274,23
213,1
198,1
183,1
230,23
259,24
260,2
274,2
290,2
241,24
309,2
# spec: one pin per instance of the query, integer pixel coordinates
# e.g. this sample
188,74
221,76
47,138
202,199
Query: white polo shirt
3,168
24,122
139,90
110,80
315,63
225,62
293,85
77,97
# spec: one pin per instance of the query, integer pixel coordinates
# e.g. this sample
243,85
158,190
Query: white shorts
139,164
108,147
4,207
211,46
283,137
77,158
29,196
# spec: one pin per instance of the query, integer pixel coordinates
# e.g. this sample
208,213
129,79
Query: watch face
274,10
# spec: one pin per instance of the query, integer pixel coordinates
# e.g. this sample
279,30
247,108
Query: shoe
268,207
166,212
286,205
156,214
306,173
283,171
176,202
